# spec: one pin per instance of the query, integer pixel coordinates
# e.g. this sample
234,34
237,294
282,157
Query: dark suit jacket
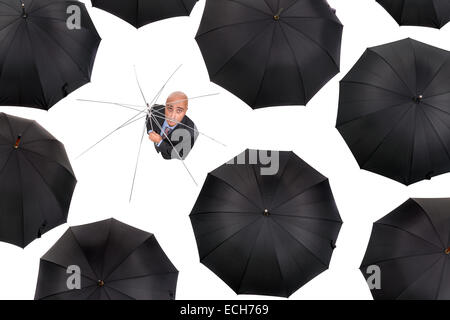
176,138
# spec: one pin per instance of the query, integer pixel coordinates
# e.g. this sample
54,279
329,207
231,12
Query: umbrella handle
16,145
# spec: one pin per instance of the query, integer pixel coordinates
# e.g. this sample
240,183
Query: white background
164,192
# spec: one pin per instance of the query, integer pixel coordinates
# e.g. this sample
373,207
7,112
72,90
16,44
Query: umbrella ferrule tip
266,212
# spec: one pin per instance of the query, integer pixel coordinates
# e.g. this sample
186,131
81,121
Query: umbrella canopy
41,58
266,234
411,247
273,52
425,13
140,12
116,262
394,111
36,181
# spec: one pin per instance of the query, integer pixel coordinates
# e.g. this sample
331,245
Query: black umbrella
394,111
272,52
266,234
43,60
36,181
139,12
411,248
425,13
113,261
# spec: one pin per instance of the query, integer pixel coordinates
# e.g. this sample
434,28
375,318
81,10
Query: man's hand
153,136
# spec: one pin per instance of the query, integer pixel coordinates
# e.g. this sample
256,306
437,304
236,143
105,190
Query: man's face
175,110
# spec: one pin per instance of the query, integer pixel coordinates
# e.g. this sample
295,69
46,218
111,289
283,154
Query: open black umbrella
112,260
141,12
425,13
411,249
36,181
47,50
272,52
266,234
394,111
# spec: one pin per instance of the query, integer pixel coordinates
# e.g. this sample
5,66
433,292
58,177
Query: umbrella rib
240,49
47,160
228,238
65,268
105,246
290,234
248,261
437,134
6,163
299,194
8,5
228,25
158,94
373,86
63,49
145,276
278,260
129,121
92,293
62,292
212,231
420,277
249,7
434,107
35,65
440,280
120,292
313,18
312,41
21,199
159,115
84,254
436,74
424,212
223,212
280,178
413,143
370,114
257,183
306,218
137,160
385,137
376,262
106,293
7,25
308,231
123,105
395,71
299,71
127,256
248,199
408,232
184,6
173,148
265,67
9,47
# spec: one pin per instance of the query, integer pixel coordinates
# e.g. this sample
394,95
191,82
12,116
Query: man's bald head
176,107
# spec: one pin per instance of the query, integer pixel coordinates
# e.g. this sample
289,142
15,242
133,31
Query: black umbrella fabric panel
113,261
142,12
45,52
423,13
270,53
266,234
411,248
36,181
394,111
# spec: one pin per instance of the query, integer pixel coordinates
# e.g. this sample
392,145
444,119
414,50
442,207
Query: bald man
172,132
